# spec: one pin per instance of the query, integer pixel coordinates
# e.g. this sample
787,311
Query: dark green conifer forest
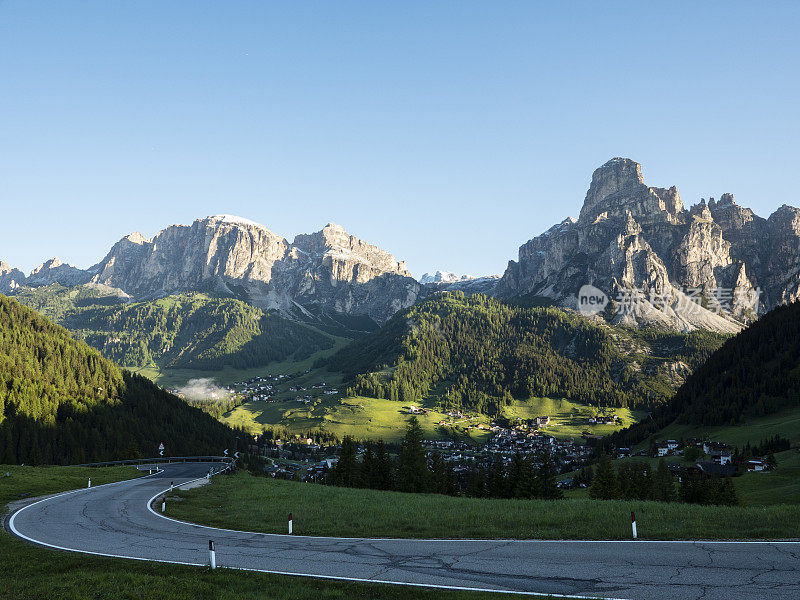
478,353
754,374
61,402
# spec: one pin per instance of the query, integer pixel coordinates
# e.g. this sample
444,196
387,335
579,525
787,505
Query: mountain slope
714,266
478,353
191,331
62,402
233,256
754,374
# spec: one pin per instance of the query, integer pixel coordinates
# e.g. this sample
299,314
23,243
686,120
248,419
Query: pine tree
385,476
772,463
367,475
726,493
412,469
605,485
496,481
346,472
546,478
476,487
663,485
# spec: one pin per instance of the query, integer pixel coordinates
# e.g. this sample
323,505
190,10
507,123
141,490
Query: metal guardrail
160,459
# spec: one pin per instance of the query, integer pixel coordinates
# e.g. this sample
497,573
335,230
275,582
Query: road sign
161,449
226,452
235,455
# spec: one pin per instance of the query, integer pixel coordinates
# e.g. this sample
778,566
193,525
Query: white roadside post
164,504
171,485
90,483
633,524
290,523
212,556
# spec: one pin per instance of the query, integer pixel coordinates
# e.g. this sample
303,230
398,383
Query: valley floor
380,418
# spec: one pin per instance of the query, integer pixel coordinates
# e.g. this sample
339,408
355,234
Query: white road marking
356,579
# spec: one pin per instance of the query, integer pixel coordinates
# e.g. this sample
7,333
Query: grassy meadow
753,430
381,418
241,501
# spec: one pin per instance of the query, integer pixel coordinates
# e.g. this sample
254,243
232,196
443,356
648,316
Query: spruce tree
605,485
546,478
385,476
346,472
663,488
412,468
726,493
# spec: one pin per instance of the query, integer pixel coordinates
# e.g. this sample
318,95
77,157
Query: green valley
185,332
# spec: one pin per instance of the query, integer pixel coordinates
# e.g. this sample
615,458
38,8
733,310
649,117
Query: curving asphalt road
116,520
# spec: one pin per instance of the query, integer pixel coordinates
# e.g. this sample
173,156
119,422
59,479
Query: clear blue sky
446,132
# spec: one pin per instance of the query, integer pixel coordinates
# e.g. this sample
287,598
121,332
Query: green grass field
765,488
786,423
32,573
380,418
261,504
167,377
569,419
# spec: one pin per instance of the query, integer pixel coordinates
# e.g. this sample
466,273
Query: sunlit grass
242,501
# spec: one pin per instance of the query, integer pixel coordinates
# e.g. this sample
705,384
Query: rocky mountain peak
10,278
136,238
55,271
618,186
46,265
232,220
616,175
631,237
335,236
724,200
443,277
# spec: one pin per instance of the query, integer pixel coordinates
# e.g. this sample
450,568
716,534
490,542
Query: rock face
230,255
444,281
443,277
714,266
10,278
54,271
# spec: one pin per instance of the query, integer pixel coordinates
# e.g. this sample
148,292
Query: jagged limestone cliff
714,266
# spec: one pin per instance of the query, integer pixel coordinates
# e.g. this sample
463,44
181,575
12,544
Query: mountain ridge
715,265
702,267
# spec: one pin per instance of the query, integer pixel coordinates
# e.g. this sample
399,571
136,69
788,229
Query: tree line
753,374
479,353
61,402
190,331
413,470
637,480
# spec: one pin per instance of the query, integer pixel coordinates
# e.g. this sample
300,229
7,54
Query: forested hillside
192,331
62,402
755,373
478,352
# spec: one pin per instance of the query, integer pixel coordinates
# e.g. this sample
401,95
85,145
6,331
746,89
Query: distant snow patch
233,219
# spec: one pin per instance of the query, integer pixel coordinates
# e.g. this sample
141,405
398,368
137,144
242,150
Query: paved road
115,520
